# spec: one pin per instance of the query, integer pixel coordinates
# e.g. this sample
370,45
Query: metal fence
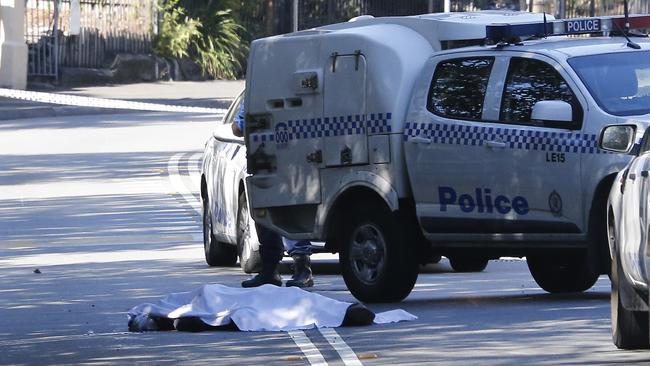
85,33
269,17
586,8
41,28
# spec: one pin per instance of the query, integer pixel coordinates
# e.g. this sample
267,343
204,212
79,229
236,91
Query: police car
469,135
228,230
628,222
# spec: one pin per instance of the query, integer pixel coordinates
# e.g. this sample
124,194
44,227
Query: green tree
209,35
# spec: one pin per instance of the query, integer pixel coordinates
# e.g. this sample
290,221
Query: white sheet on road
264,308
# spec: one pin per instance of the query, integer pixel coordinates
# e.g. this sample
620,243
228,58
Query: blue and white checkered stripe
262,137
551,141
344,126
305,128
358,124
379,123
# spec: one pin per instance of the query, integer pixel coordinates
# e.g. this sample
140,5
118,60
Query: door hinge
335,55
357,54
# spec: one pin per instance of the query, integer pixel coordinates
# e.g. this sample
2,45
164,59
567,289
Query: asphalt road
97,215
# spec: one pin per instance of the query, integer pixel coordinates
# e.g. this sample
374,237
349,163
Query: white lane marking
193,170
180,253
179,186
83,187
347,355
310,351
74,100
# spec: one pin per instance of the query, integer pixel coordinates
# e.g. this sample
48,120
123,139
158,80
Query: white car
627,219
228,230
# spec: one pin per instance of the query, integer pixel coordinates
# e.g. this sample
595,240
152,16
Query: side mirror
617,138
552,110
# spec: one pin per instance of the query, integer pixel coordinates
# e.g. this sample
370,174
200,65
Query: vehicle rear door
346,142
284,124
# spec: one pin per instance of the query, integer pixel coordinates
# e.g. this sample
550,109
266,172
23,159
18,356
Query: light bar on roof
506,32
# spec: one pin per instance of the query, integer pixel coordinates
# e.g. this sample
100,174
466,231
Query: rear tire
563,272
248,246
468,263
216,253
378,259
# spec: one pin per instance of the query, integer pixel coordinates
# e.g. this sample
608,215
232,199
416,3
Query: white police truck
468,135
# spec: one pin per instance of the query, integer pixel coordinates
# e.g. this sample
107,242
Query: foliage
210,36
220,51
176,31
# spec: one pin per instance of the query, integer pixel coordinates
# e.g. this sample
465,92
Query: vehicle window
528,82
620,82
458,87
233,110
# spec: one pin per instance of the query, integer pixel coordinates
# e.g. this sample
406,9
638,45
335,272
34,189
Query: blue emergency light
505,32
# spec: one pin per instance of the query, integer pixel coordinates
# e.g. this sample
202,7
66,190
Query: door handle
495,144
644,173
631,176
420,140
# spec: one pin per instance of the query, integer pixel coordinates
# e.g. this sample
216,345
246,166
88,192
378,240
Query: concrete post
13,49
294,15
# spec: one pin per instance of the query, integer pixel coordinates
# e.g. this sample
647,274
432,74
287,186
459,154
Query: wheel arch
339,209
241,189
204,187
597,226
611,224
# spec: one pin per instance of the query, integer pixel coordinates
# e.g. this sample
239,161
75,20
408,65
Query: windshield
620,82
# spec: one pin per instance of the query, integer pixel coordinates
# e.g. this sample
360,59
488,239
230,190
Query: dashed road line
345,352
310,351
179,186
193,165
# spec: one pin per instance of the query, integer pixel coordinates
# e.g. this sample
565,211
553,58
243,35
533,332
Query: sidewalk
211,94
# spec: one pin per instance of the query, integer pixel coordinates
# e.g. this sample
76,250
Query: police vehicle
628,223
469,135
228,230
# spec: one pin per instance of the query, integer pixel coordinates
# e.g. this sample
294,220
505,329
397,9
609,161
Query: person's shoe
301,272
263,278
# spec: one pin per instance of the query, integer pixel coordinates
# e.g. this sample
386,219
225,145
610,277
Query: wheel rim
244,228
367,253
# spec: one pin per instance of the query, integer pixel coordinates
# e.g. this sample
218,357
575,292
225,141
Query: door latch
346,155
315,157
260,160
